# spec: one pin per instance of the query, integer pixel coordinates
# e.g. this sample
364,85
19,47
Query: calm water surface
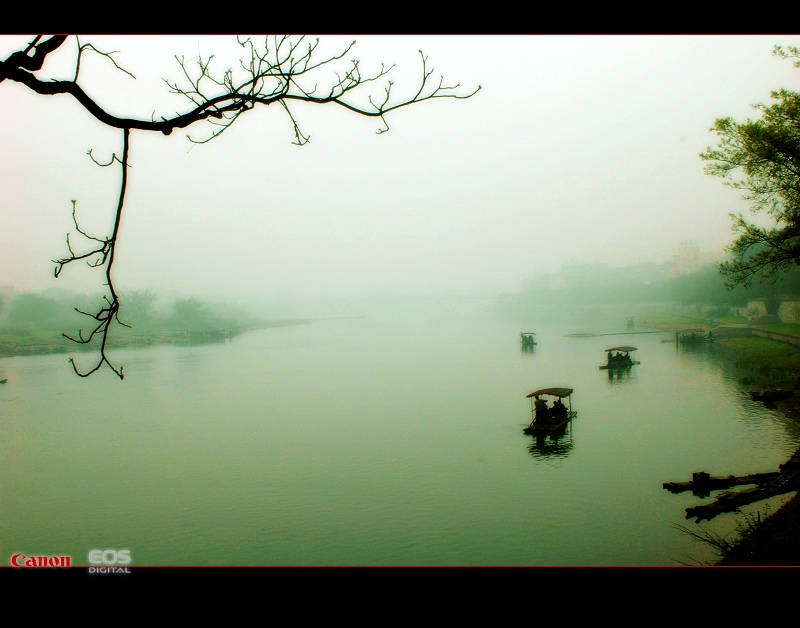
388,439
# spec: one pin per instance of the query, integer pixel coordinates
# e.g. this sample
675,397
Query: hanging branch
103,255
281,69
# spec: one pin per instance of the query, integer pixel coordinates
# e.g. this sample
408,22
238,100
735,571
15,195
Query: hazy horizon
577,150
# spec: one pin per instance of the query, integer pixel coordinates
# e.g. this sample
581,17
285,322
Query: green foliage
139,307
194,315
704,287
719,312
33,312
761,158
762,353
190,314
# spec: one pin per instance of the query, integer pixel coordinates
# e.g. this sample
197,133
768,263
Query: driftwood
768,485
770,395
702,483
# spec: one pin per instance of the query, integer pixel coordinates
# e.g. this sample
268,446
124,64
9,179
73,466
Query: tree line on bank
704,290
758,158
60,311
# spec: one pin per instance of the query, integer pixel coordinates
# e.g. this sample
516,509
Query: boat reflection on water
527,348
698,347
616,376
552,445
527,342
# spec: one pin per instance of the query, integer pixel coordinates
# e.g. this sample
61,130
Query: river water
389,438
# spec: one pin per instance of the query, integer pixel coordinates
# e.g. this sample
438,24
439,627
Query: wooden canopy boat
527,339
620,357
693,336
548,420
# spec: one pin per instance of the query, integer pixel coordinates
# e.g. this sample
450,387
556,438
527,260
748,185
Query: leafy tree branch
761,158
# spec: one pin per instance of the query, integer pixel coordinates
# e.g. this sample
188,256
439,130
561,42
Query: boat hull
536,429
606,367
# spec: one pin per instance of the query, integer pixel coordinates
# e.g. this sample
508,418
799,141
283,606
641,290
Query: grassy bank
43,341
760,354
763,353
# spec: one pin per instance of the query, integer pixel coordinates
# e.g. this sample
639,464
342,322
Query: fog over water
577,149
386,426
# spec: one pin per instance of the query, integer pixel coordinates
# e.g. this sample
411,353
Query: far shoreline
52,342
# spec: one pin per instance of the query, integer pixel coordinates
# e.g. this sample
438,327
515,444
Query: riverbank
14,343
772,539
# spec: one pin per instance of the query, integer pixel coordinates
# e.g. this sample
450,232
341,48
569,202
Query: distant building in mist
689,259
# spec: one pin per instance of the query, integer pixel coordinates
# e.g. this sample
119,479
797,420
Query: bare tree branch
272,74
104,256
280,69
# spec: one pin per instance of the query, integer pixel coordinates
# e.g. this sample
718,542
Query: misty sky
576,149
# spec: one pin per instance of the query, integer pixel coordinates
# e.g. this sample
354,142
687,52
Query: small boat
3,381
527,339
620,357
693,336
550,419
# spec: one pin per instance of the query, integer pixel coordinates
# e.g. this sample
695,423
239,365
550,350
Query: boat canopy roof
527,333
625,349
555,392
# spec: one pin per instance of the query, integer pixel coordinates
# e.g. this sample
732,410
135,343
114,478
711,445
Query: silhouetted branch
272,74
281,69
104,253
107,55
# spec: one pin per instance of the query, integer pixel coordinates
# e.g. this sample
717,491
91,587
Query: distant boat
3,381
620,358
693,336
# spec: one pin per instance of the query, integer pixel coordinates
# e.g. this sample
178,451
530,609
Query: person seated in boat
627,359
559,410
541,410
